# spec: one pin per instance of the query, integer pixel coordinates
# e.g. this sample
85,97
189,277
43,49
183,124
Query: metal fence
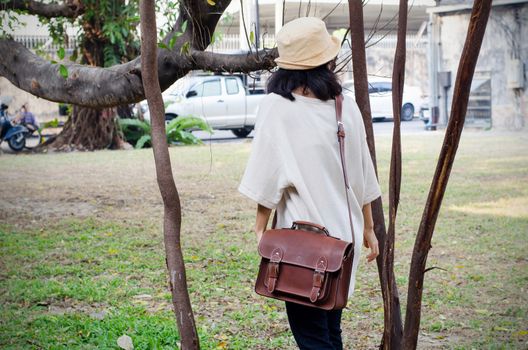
225,43
232,42
44,43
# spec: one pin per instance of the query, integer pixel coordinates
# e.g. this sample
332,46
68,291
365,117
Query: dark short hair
321,81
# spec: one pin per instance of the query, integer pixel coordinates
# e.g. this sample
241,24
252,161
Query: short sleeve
264,179
371,190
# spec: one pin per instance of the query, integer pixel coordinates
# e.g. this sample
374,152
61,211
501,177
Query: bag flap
304,248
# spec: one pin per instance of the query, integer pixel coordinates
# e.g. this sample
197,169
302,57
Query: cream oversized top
295,166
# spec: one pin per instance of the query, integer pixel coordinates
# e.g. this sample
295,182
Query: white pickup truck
221,100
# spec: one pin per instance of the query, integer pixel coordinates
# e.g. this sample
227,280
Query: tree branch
169,193
393,326
245,62
121,84
69,8
468,60
107,87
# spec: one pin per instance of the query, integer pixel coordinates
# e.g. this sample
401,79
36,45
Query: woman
27,119
295,168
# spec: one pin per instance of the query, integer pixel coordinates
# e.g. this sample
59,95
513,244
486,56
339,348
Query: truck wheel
242,132
407,112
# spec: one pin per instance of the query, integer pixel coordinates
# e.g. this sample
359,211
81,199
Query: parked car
223,101
380,93
425,112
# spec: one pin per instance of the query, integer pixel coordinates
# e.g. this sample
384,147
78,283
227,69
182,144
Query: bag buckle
318,278
273,268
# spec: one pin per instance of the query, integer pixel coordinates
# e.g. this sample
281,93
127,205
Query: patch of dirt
96,311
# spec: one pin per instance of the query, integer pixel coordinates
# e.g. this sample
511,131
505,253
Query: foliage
178,130
80,282
54,123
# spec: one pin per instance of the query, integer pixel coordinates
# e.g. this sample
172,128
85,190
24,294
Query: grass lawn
82,258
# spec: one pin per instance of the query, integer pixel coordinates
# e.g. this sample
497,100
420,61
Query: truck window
212,88
385,87
373,88
232,86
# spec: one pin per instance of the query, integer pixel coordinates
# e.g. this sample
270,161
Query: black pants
315,329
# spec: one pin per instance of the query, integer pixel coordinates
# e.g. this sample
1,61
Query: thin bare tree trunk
477,26
398,77
169,193
393,326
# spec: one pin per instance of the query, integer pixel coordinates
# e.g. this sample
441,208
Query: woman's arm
369,237
263,215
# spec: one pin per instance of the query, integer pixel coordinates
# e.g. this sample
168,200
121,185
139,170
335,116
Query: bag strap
341,141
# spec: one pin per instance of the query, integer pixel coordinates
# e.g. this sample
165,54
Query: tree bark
70,8
121,84
87,129
477,27
393,328
388,285
169,193
90,128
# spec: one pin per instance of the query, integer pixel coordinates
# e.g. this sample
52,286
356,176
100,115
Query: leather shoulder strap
341,141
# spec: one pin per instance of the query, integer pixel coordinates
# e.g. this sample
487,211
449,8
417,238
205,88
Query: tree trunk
468,61
392,310
87,129
393,325
169,193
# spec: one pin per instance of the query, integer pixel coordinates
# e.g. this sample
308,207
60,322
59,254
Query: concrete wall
502,42
43,109
380,62
380,59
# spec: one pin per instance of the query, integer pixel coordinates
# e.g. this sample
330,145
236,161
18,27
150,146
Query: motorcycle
15,135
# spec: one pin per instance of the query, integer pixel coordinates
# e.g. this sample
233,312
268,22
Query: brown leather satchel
304,264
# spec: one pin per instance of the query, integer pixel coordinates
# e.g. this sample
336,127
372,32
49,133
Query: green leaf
186,48
127,123
172,41
163,46
184,26
142,141
252,37
74,56
179,129
63,71
188,122
61,53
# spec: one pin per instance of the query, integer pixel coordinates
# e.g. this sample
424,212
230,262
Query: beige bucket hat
304,43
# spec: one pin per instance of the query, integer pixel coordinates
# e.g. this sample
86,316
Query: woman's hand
370,241
369,238
263,215
259,235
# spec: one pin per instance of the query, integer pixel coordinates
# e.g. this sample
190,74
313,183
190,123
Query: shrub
138,133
